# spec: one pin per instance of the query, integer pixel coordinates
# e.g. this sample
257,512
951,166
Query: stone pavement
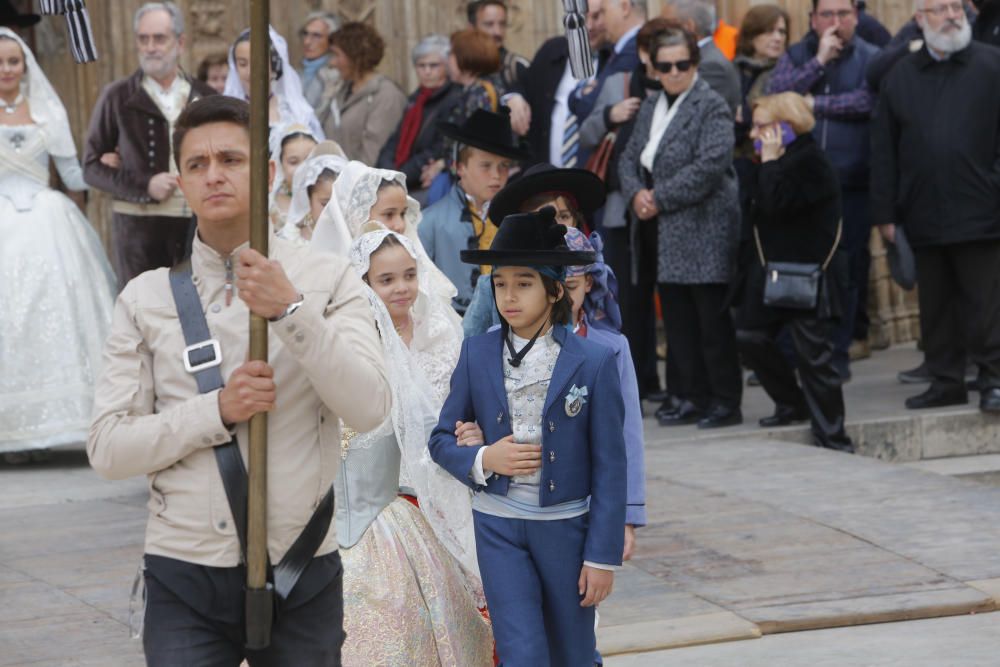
965,641
749,536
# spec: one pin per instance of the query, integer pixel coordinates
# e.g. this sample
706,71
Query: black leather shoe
918,375
719,417
783,416
687,413
670,405
989,400
937,398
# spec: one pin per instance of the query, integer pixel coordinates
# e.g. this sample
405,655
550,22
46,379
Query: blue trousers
530,573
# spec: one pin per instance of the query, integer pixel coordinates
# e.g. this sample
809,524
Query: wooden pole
259,597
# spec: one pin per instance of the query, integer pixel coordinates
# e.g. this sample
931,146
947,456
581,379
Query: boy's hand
468,434
629,542
595,585
510,458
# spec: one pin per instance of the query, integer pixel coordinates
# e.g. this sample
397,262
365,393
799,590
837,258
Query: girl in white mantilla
411,582
362,194
56,286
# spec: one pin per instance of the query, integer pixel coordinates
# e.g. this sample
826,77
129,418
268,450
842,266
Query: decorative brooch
575,400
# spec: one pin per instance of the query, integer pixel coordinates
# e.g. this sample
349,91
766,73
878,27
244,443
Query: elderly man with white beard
134,118
936,172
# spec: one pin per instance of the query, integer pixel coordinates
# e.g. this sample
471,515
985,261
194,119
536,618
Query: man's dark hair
209,109
815,3
472,9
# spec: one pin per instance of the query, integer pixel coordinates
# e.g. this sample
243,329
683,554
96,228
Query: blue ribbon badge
575,400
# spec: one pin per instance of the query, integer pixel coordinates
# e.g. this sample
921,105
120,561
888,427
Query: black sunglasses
665,67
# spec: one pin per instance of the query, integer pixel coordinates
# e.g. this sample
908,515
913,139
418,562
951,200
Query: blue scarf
310,67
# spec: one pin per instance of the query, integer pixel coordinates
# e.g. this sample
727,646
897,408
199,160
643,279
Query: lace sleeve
70,172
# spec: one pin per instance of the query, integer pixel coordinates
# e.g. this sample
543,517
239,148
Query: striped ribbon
81,37
571,141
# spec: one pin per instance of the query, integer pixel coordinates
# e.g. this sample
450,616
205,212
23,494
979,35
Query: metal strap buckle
211,363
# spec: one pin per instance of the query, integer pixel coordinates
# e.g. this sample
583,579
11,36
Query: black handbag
793,285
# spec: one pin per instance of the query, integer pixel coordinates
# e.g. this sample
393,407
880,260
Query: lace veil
46,108
444,501
305,177
292,105
354,194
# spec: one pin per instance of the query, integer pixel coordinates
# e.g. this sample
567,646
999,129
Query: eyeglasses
665,67
841,14
305,34
944,10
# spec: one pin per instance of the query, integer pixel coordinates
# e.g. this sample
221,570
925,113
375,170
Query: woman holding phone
795,217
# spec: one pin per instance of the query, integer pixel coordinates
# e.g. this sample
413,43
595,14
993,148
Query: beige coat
362,121
150,419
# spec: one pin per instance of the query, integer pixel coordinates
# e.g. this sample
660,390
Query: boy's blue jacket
582,455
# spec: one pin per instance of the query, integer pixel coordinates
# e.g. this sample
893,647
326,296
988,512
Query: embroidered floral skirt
405,601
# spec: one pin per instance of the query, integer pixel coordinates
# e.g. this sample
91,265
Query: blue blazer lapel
492,349
566,365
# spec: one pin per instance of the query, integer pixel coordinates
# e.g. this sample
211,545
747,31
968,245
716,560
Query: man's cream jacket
150,419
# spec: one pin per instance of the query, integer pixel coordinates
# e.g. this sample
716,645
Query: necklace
402,327
12,107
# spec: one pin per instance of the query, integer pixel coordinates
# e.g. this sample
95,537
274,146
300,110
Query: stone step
877,420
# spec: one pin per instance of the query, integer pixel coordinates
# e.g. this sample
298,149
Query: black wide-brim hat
10,17
486,131
584,187
529,239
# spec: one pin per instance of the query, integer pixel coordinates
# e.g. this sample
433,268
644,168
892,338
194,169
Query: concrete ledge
989,586
866,610
675,633
910,436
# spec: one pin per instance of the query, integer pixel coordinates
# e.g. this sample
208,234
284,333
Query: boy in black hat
549,508
460,221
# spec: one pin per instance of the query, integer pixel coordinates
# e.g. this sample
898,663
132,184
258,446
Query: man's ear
272,169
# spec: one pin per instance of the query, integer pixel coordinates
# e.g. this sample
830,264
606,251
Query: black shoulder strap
202,358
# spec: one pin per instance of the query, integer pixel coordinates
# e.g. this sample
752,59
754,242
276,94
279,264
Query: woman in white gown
56,286
407,600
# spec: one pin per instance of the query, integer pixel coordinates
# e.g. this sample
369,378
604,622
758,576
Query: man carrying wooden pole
238,568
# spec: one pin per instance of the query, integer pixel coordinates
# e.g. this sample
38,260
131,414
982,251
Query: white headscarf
444,501
47,110
354,195
276,138
305,177
292,105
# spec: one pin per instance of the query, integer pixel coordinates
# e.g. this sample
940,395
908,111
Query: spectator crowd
718,180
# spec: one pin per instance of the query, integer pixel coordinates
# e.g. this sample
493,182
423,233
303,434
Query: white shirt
560,114
623,40
662,117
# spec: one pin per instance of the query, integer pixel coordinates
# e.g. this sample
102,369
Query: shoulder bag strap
203,353
203,358
826,262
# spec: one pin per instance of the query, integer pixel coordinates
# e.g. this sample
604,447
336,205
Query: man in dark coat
828,66
134,118
935,143
545,88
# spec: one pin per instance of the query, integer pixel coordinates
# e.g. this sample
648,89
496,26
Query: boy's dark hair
472,9
562,309
209,109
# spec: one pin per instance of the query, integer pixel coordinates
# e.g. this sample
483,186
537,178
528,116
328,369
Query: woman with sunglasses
676,172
